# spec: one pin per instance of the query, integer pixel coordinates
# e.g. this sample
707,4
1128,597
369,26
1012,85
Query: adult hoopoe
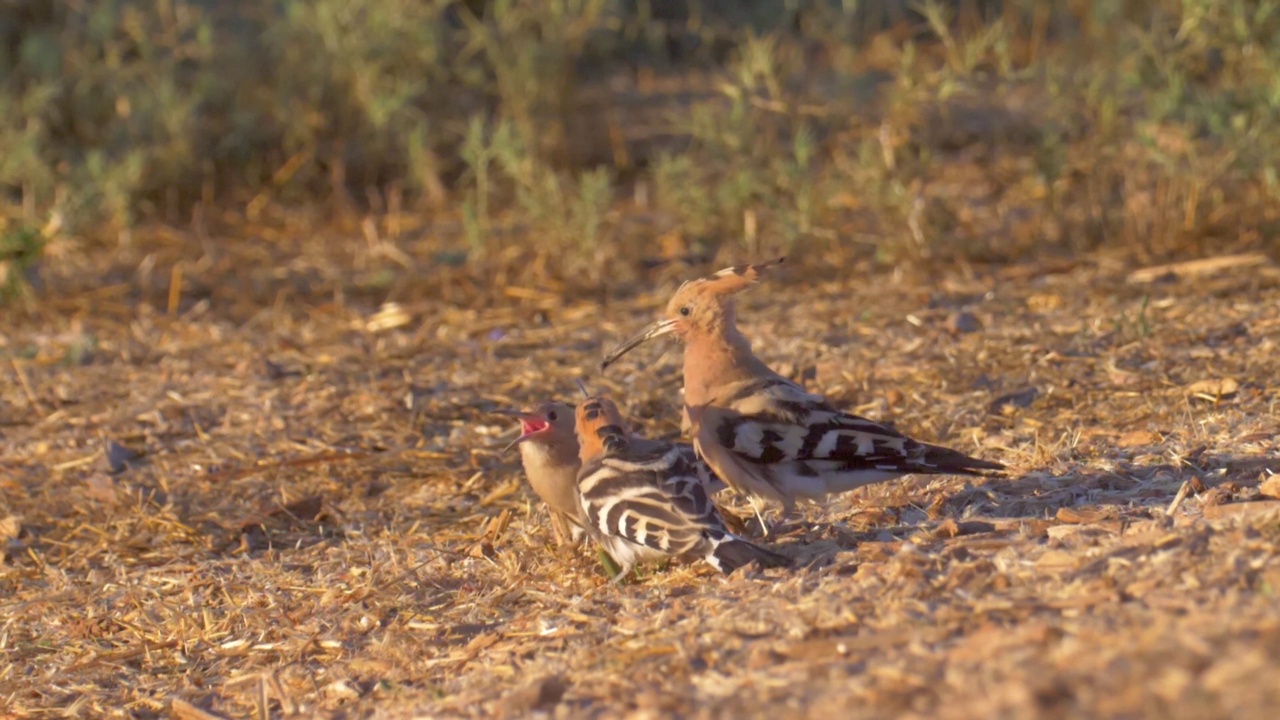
763,434
644,501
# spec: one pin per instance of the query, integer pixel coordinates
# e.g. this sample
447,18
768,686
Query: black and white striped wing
700,469
654,501
774,423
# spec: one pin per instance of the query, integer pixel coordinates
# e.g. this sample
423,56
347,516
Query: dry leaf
307,508
1201,266
1022,398
1058,559
390,316
183,710
541,694
1256,437
1074,533
1077,517
10,527
1213,389
949,528
341,691
102,488
1044,303
964,322
1269,487
1122,378
119,457
1137,438
1254,509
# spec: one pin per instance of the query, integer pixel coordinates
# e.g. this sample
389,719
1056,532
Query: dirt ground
265,501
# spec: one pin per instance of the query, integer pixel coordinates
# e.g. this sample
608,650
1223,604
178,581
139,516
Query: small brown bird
644,501
763,434
549,454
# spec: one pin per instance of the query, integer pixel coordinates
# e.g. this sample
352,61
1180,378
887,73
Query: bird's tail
729,552
954,462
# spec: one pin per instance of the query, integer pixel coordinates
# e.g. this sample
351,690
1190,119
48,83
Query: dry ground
276,501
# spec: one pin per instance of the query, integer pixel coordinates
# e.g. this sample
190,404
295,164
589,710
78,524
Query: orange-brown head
600,428
702,307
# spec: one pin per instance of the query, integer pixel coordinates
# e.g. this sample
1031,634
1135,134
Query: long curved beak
661,327
531,425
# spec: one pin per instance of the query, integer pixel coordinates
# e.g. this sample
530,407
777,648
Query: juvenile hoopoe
763,434
549,454
644,501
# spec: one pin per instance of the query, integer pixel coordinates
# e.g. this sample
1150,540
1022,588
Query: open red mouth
531,425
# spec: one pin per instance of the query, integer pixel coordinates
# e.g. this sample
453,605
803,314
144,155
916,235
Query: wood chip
180,709
1069,532
830,647
1213,389
964,322
1080,516
389,317
1137,438
1248,510
1271,487
1058,559
102,488
949,528
119,457
10,527
541,694
1183,491
1020,399
1195,268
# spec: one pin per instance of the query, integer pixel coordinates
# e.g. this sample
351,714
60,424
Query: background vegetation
956,129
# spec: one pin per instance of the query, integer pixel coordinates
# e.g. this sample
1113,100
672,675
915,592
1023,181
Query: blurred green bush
116,111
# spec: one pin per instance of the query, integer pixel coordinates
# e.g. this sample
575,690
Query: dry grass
255,494
235,479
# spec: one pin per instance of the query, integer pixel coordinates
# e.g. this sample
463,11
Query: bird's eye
551,416
685,311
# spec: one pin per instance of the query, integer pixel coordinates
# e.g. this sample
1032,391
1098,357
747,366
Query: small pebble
965,322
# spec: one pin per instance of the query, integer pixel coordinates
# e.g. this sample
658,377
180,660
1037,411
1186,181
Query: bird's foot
764,526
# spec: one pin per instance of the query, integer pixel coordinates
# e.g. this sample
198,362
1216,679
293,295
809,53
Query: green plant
956,132
20,248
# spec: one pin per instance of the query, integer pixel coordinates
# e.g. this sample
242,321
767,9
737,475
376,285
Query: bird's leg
561,529
764,527
622,573
788,510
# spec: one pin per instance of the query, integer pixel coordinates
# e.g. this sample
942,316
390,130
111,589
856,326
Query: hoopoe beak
531,425
661,327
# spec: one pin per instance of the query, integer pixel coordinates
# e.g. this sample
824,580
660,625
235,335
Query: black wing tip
735,553
977,464
965,465
944,460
